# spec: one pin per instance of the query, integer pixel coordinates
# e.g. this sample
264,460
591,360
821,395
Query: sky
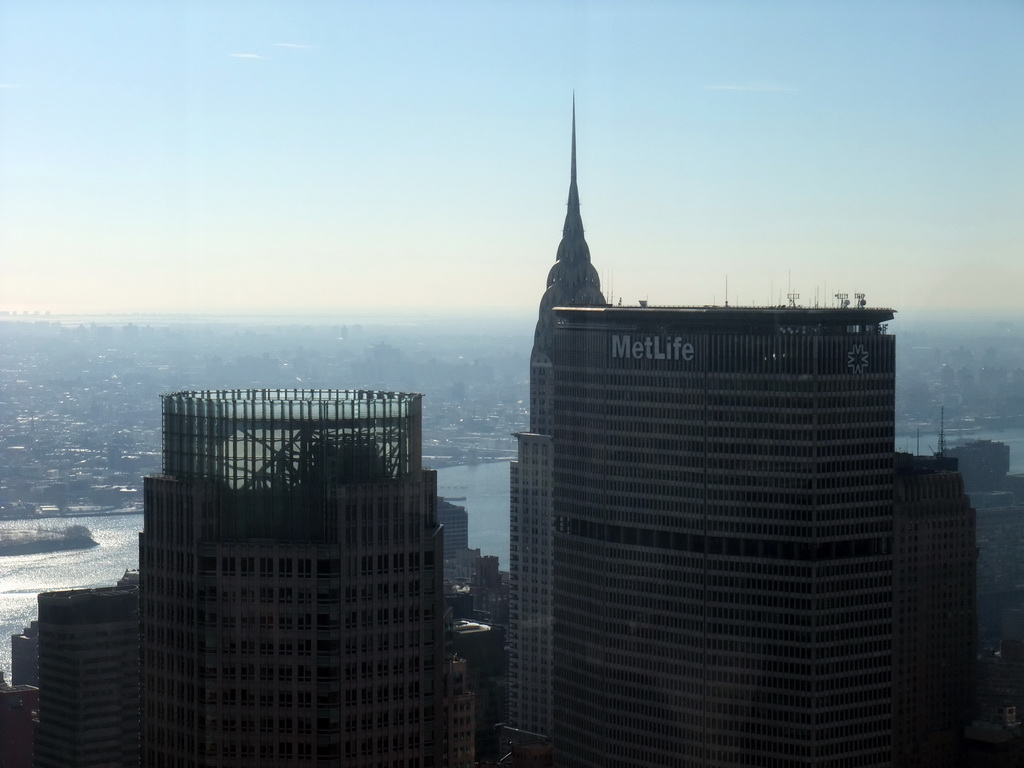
335,157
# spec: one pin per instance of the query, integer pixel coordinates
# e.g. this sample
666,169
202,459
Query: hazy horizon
487,315
309,158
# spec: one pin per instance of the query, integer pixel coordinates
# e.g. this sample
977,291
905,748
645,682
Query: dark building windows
723,542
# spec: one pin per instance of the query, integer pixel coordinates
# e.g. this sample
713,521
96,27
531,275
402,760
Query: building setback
291,577
88,679
572,281
723,502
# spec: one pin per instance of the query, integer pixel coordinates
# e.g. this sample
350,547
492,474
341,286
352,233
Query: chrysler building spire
573,220
572,281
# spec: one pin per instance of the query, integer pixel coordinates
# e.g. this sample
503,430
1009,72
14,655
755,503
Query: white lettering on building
626,347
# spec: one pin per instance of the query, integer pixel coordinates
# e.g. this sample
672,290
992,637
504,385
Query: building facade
934,618
572,281
18,707
25,656
723,502
291,581
461,716
455,520
1000,538
984,464
483,648
88,679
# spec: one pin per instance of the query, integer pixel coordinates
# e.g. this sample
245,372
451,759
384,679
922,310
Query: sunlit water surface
25,576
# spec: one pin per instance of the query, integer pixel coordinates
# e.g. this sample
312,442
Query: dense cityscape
82,411
649,448
81,408
561,384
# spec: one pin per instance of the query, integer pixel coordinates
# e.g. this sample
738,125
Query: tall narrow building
25,656
572,281
291,584
19,705
934,620
88,678
723,567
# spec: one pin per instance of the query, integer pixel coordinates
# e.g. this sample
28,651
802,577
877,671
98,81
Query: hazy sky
331,157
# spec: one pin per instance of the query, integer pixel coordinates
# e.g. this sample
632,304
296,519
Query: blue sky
316,157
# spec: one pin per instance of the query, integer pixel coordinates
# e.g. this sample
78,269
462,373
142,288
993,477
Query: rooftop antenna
942,431
727,290
861,301
844,299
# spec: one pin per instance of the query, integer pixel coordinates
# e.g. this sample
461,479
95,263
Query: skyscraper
25,656
461,717
18,707
455,520
571,281
291,580
723,500
934,621
88,679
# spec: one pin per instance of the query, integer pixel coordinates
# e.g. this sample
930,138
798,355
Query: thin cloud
761,87
300,46
246,56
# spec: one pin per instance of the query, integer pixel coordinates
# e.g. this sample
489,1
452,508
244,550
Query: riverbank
16,542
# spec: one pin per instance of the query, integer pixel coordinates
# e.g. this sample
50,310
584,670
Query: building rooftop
464,626
731,319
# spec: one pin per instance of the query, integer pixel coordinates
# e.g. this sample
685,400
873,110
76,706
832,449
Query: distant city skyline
270,158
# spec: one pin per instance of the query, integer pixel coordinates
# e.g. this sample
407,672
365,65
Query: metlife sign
626,347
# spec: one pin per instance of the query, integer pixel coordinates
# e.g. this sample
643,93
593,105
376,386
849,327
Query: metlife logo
625,347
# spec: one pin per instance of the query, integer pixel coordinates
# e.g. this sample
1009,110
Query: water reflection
24,576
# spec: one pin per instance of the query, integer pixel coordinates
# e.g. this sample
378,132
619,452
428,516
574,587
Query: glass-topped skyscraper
291,583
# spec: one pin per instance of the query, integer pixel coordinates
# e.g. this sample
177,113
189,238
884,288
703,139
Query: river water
25,576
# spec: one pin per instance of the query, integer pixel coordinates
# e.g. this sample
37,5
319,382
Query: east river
484,486
24,576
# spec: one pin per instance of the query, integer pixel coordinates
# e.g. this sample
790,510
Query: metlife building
723,503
